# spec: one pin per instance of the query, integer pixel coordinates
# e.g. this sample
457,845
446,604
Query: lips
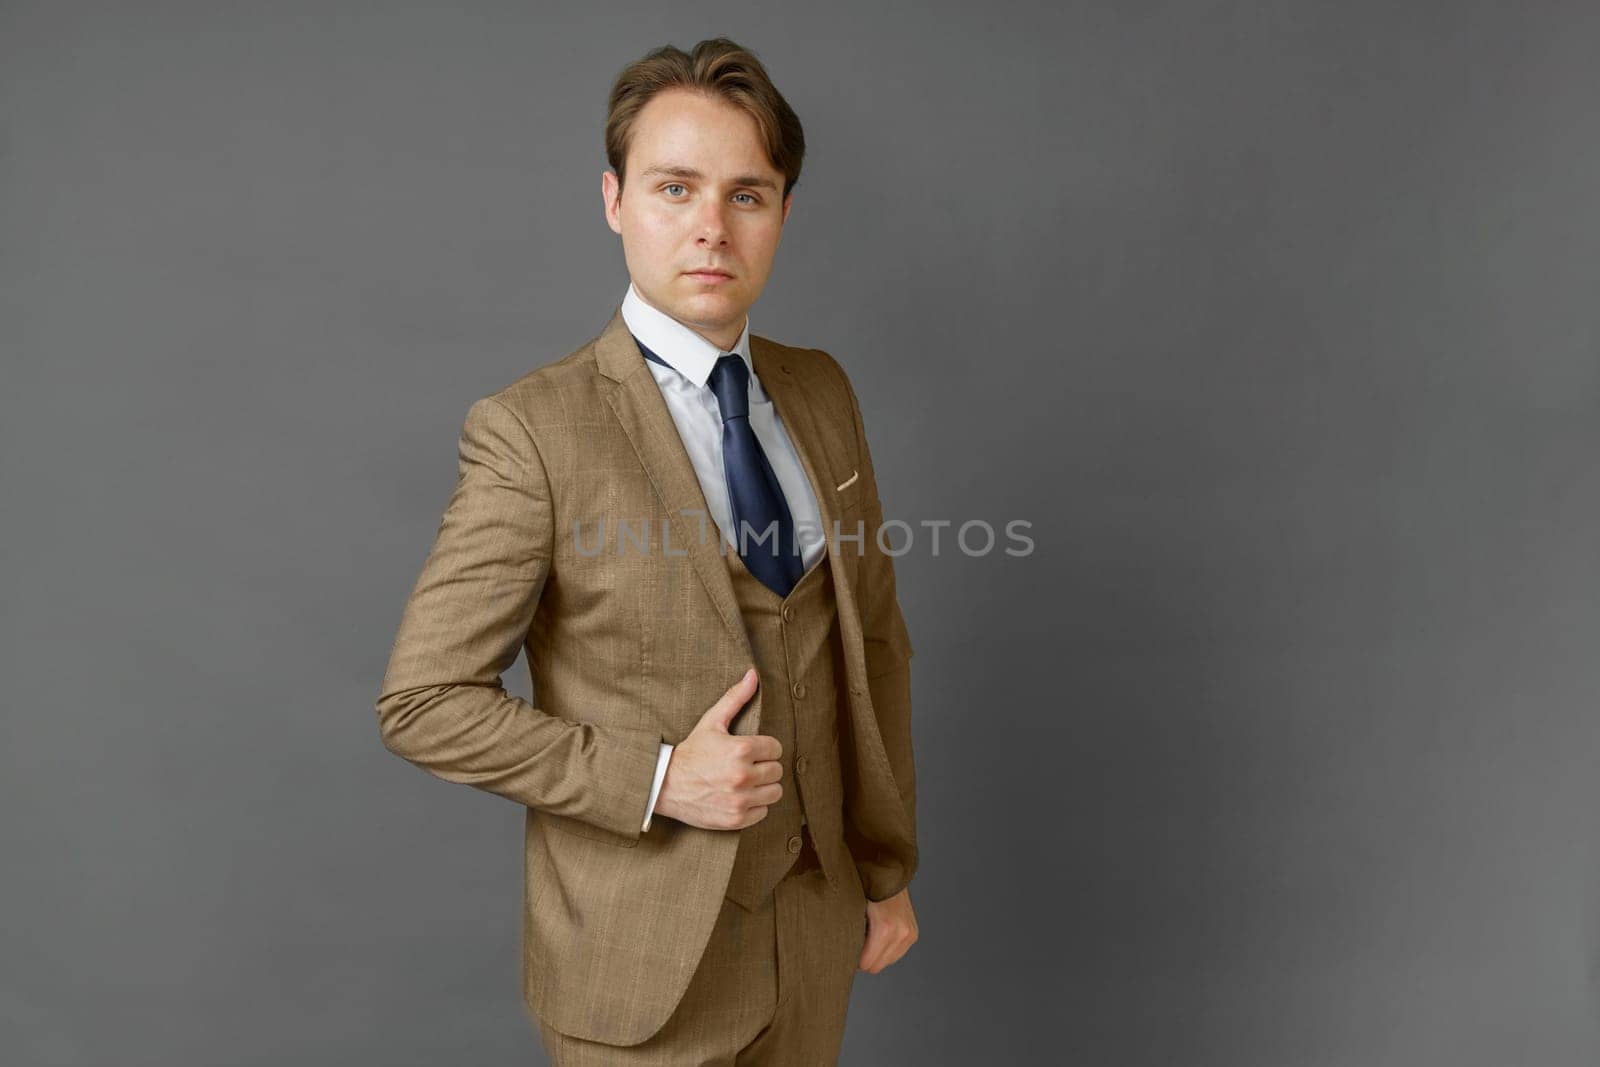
708,274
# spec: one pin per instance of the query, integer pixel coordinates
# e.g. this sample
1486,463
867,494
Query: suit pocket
579,828
847,501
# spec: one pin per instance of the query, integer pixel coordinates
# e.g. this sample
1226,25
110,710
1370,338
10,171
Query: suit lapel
817,439
642,412
797,410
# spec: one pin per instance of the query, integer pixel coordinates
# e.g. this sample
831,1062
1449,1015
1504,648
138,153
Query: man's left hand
891,930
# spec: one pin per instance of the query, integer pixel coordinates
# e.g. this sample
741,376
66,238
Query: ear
611,193
788,202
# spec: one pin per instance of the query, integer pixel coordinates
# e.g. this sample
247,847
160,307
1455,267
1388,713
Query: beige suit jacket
628,649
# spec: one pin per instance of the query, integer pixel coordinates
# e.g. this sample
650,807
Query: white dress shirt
694,409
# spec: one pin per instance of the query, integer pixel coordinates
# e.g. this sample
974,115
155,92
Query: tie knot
730,382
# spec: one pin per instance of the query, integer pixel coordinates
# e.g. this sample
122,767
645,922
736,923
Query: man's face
701,214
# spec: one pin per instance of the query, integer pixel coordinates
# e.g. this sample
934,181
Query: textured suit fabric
771,990
627,649
794,639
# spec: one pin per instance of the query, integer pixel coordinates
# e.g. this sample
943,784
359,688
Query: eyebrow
667,170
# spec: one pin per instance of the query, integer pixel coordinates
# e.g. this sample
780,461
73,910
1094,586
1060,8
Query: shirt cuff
655,787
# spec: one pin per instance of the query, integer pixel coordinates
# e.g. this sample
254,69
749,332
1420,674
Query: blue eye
674,185
747,195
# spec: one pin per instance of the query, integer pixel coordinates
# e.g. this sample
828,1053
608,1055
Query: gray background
1276,320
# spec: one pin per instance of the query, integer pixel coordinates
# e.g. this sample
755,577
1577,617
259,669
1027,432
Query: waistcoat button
799,689
800,765
788,613
794,843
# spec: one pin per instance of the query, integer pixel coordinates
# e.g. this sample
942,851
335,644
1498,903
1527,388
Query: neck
724,339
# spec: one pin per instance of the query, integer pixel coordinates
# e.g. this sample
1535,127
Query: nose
712,225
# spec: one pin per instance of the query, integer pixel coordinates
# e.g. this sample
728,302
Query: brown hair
716,67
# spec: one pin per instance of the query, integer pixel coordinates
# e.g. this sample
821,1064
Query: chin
711,309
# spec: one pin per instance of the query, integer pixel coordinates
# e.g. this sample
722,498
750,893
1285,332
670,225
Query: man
679,522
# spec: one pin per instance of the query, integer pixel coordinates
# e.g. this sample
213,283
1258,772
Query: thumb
720,714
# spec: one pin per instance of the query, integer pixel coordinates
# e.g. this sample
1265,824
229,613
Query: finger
764,747
720,714
767,795
890,950
766,772
892,953
873,949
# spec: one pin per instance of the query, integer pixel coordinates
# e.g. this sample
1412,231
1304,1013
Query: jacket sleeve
885,858
442,705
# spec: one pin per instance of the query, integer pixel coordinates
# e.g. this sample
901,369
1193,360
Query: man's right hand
717,780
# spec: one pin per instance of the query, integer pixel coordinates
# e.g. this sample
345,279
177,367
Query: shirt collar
686,351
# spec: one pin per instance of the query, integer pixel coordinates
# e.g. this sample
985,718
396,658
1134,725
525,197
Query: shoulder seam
544,469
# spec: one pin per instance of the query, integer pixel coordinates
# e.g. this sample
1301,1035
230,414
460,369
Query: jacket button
794,843
856,689
799,690
800,765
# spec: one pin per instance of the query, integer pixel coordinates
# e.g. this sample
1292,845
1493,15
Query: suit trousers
771,989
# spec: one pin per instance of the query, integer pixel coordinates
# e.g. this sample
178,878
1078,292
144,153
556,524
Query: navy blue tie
765,528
